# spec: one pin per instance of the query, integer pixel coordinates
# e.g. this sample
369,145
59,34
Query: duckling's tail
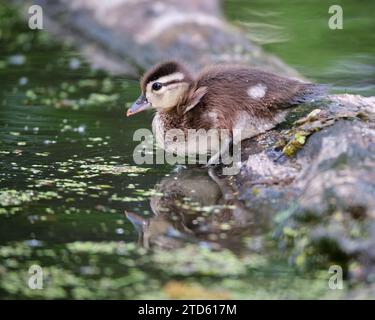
311,92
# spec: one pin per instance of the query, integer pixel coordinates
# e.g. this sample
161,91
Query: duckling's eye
156,86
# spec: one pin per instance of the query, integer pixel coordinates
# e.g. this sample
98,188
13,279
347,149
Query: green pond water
67,170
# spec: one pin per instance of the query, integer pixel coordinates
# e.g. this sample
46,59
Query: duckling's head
163,87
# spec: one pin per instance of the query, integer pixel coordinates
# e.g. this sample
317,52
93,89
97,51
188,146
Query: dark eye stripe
165,84
172,82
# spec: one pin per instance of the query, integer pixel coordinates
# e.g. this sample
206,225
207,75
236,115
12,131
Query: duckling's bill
139,105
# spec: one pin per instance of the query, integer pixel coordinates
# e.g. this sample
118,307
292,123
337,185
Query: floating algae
17,197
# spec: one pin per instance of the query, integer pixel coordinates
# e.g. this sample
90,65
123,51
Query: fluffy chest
174,136
158,129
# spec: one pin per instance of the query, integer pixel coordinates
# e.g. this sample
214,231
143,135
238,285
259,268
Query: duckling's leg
224,149
214,160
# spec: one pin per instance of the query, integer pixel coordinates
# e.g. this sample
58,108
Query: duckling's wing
195,96
255,90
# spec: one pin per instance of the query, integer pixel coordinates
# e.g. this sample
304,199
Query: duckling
230,97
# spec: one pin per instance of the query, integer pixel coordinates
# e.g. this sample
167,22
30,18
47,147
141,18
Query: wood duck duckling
231,97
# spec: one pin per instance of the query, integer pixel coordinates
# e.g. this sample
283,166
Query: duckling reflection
195,206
